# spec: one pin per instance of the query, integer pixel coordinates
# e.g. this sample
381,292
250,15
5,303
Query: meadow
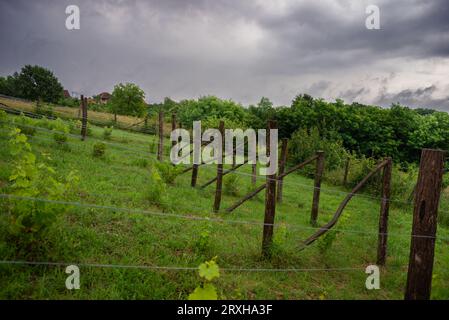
129,246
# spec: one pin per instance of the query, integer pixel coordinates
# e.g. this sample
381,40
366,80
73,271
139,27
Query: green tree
128,99
35,83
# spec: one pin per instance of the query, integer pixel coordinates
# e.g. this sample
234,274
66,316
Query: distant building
66,94
104,97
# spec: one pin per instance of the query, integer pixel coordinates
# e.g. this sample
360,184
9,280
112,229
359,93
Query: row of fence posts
426,201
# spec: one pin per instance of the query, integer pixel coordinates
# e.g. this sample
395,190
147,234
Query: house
104,97
66,94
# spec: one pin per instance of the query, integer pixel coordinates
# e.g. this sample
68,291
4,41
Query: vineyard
139,227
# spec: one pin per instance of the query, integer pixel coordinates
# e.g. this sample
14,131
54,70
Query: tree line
371,131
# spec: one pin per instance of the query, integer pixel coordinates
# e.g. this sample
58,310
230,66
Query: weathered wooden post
194,175
81,106
345,177
282,161
219,185
254,174
317,187
384,211
173,126
427,197
160,150
270,200
84,120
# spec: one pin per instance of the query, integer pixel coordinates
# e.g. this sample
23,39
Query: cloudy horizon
239,50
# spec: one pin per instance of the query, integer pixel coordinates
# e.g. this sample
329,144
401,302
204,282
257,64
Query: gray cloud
421,97
236,49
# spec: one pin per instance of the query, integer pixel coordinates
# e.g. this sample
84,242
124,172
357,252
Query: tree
128,99
35,83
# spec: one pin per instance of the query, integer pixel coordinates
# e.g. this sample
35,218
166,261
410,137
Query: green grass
107,236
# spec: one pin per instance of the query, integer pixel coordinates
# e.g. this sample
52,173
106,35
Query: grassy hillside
113,222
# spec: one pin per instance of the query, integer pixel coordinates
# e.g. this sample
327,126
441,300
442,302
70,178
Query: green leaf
209,270
207,292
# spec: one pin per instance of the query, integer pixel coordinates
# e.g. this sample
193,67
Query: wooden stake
270,201
81,106
254,174
194,175
317,187
219,171
282,161
84,120
160,150
427,197
384,211
173,126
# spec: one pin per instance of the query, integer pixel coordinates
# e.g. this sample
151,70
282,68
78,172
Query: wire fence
194,216
139,156
180,268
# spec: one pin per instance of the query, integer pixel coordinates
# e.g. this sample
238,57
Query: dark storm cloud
421,97
234,49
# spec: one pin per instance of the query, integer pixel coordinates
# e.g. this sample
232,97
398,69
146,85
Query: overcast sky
238,49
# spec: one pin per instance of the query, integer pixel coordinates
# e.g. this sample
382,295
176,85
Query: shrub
304,145
168,172
60,131
156,188
325,242
202,243
107,133
25,124
99,150
74,126
29,221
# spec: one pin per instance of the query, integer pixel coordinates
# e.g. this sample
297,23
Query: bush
202,243
168,172
304,145
107,133
60,131
99,150
29,221
325,242
156,188
25,124
74,126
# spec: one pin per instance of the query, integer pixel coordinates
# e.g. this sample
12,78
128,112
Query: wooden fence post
81,106
84,120
194,175
219,185
270,200
173,126
254,174
384,211
317,187
427,197
282,161
345,177
160,150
